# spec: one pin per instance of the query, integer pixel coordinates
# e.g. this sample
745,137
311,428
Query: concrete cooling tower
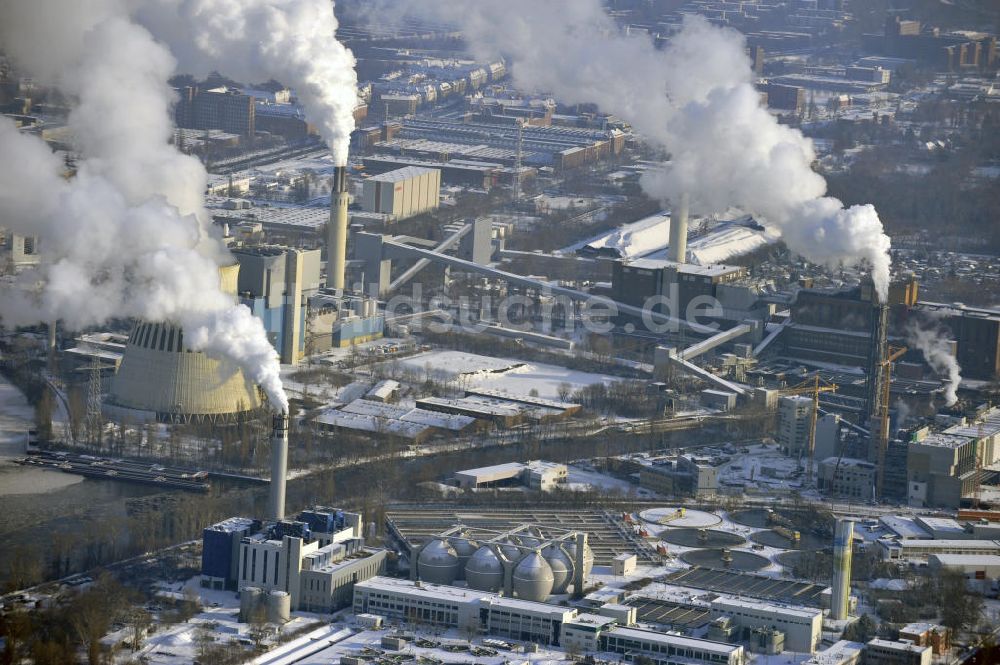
160,379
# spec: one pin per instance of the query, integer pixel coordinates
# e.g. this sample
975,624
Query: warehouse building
402,193
499,616
535,474
802,626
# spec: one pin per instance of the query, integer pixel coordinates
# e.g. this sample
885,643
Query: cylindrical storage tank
279,607
437,563
464,548
533,578
484,572
250,599
561,565
588,556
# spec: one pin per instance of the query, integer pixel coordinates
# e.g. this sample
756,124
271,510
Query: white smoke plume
694,98
934,344
126,236
293,41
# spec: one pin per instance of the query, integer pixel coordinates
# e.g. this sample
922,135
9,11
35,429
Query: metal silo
279,607
464,548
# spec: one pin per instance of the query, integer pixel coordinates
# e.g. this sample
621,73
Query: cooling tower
279,464
161,379
336,231
843,541
677,251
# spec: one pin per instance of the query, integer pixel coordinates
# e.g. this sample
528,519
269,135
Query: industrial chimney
336,231
677,252
843,541
279,464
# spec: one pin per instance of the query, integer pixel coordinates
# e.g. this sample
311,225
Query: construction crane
880,418
811,387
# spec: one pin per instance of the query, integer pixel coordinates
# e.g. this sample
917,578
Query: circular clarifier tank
787,540
701,538
725,559
680,517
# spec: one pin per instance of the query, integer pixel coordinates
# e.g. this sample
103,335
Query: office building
794,421
938,638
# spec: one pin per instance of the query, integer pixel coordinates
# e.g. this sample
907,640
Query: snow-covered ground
514,377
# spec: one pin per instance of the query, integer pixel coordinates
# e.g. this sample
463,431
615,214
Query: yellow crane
880,422
811,387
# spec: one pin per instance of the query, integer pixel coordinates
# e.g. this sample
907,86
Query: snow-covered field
514,377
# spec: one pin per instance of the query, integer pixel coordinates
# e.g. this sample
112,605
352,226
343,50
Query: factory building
794,420
843,652
980,567
337,321
976,331
487,613
276,283
402,193
161,379
316,568
802,626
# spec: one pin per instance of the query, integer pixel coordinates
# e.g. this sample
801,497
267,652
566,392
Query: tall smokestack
279,464
843,541
336,231
677,252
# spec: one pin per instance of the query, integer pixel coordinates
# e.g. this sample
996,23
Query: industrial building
686,475
535,474
847,477
402,193
315,559
499,616
802,627
413,424
908,550
161,379
276,284
523,562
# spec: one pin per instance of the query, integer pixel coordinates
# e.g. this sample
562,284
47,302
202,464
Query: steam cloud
127,236
695,98
293,41
933,344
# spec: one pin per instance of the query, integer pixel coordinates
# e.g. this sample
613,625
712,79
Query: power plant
843,543
162,380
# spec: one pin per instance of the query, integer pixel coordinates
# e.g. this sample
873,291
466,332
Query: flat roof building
802,626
